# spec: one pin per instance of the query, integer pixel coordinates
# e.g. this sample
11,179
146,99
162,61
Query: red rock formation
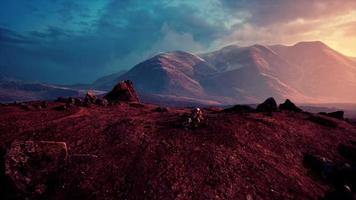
123,91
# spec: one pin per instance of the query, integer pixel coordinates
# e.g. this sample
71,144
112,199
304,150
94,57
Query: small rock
61,108
44,104
90,97
101,102
289,106
27,107
269,105
78,102
70,101
29,164
161,109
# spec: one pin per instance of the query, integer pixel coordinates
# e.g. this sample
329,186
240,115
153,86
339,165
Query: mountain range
307,72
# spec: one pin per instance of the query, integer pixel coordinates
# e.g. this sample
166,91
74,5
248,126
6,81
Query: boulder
61,108
70,101
336,115
27,107
44,104
161,109
269,105
289,106
30,164
123,91
90,97
101,102
78,102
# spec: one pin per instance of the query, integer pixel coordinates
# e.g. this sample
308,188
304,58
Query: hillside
136,151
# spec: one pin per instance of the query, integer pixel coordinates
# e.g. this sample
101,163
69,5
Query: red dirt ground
135,152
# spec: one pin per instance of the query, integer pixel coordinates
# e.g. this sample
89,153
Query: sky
66,41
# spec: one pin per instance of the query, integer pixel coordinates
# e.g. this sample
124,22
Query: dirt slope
130,151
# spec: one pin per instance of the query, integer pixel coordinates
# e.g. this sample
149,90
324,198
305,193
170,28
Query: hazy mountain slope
107,82
326,74
308,72
175,73
18,90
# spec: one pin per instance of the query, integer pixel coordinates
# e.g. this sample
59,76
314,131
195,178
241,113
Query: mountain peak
319,44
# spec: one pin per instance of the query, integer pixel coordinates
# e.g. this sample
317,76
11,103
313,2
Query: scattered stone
78,102
101,102
37,107
87,104
30,164
70,101
268,105
161,109
322,121
90,97
289,106
26,107
123,91
240,109
61,108
44,104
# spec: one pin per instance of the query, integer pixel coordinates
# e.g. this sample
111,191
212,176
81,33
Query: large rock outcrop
269,105
289,106
123,91
30,164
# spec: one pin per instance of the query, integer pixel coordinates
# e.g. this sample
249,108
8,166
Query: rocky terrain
118,148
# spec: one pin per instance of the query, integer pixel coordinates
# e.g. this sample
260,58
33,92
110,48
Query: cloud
280,11
10,37
65,41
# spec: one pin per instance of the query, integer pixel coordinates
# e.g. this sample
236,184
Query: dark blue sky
65,41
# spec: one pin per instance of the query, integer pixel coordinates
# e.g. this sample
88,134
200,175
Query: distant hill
12,89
